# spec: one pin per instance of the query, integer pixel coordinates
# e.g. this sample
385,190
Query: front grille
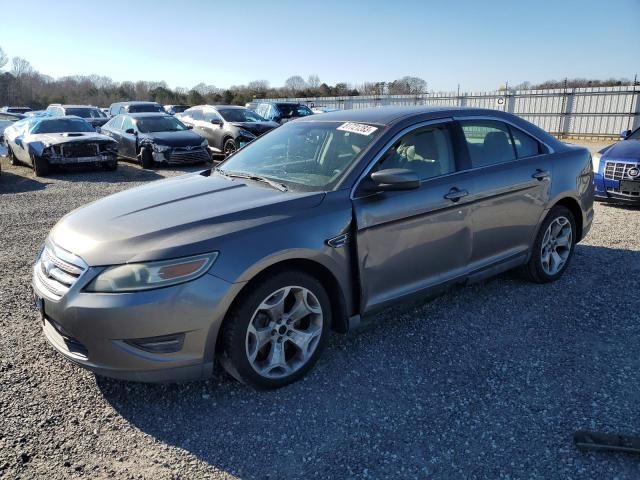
58,270
617,170
195,155
73,150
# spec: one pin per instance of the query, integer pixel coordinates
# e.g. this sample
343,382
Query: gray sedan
313,227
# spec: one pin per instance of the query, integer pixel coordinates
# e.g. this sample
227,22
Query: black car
282,112
173,109
227,128
153,138
93,115
135,107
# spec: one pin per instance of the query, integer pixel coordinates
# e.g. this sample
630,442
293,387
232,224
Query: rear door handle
541,174
455,194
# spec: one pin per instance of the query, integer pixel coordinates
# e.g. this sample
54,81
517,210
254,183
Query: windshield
145,108
292,110
63,125
308,156
160,124
85,112
240,115
635,135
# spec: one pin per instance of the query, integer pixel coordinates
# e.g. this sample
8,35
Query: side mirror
189,127
130,131
216,121
624,134
392,179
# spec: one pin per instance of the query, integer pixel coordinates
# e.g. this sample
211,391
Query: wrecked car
46,141
156,138
312,227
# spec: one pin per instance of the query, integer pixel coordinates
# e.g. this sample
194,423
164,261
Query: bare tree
258,85
20,67
204,89
313,81
295,84
3,58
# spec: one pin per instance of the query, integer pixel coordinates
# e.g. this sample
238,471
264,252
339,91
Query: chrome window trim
496,119
389,144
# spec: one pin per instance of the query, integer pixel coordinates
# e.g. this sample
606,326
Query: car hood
48,139
257,128
181,216
184,138
624,150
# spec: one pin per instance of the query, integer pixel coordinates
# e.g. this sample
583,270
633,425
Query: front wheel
12,156
277,331
40,166
110,166
146,158
554,246
230,147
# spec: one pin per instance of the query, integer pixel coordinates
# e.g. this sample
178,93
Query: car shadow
10,182
440,388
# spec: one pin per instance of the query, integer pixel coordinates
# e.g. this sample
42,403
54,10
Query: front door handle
455,194
541,174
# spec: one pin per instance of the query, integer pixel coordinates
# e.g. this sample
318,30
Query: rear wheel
554,246
110,166
229,147
276,333
40,166
146,158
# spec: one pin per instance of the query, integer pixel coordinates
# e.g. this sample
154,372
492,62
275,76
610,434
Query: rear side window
526,146
426,151
195,113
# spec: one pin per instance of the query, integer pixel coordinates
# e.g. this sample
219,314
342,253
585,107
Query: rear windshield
85,112
160,124
146,108
18,109
62,125
240,115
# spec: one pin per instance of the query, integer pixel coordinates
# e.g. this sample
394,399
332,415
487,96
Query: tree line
22,85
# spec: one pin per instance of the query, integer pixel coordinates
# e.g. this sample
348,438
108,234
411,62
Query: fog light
163,344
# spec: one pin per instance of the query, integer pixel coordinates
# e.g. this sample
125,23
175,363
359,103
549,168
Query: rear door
513,180
113,129
129,141
409,241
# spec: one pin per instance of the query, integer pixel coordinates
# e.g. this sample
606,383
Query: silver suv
312,227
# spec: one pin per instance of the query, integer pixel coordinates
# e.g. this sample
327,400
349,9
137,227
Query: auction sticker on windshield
359,128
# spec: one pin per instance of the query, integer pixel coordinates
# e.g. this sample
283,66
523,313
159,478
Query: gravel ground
487,381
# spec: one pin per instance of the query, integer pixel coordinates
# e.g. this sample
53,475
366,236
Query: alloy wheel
556,245
284,332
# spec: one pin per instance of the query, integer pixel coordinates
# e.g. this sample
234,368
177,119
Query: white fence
564,112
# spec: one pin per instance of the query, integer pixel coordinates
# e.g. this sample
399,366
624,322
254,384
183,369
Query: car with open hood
43,142
93,115
617,170
227,128
312,227
156,138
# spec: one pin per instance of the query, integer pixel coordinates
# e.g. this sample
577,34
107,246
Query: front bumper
182,155
608,190
93,330
102,158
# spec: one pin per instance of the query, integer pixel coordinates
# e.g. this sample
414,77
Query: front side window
427,151
127,124
160,124
489,142
63,125
115,123
308,156
210,115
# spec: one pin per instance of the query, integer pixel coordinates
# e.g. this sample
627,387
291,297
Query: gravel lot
487,381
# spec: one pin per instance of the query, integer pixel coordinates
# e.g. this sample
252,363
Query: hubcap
556,245
284,332
229,149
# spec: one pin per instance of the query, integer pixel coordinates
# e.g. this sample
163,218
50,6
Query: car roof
232,107
147,114
135,102
76,106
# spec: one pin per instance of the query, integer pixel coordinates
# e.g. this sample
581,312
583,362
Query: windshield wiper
252,176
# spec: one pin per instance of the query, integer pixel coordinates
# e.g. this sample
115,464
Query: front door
409,241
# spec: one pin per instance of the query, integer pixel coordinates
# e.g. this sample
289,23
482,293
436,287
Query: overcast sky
477,44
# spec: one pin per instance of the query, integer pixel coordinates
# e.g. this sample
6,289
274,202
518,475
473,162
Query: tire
146,158
252,333
110,166
543,264
229,147
40,166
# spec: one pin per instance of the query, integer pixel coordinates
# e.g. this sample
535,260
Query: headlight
595,160
146,276
248,134
160,148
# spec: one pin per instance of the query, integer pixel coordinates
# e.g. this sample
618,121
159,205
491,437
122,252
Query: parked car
46,141
282,112
251,105
227,128
6,120
21,110
156,138
617,170
93,115
37,113
322,109
173,109
134,107
313,227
